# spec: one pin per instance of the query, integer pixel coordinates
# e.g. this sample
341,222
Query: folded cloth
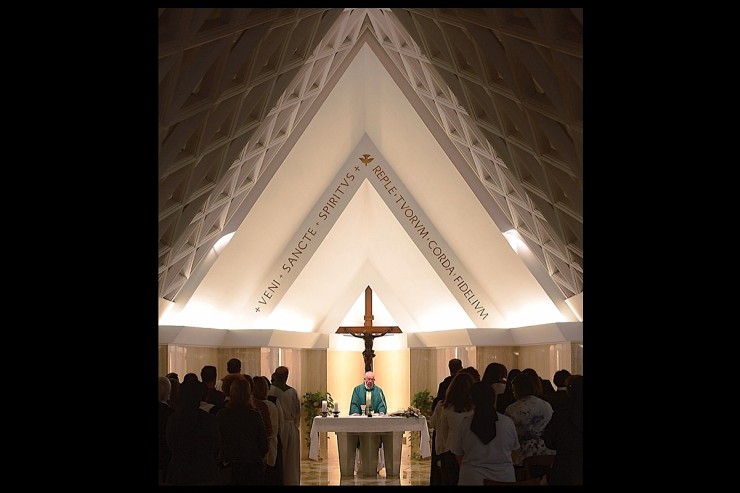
381,459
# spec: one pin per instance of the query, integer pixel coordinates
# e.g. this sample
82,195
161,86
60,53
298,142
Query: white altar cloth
377,425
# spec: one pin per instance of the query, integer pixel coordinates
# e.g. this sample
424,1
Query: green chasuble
377,400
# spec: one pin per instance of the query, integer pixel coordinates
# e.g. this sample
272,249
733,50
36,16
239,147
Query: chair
524,482
536,466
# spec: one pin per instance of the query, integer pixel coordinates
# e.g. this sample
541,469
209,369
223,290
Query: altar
369,431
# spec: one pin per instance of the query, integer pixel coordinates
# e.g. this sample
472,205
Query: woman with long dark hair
446,420
485,441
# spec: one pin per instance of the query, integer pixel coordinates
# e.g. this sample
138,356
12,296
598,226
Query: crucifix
367,331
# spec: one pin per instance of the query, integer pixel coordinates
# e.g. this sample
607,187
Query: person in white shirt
484,441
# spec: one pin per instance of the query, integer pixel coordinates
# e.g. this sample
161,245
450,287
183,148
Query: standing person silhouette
275,475
261,388
495,376
484,441
530,414
564,434
244,439
165,411
216,398
194,438
290,434
507,397
446,420
435,469
560,397
233,368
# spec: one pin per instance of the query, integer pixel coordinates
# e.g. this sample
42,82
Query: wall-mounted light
515,240
222,242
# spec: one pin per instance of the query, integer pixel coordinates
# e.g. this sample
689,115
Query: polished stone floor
325,472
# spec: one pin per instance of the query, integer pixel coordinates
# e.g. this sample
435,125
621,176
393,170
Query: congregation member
473,371
564,434
290,432
259,406
190,377
530,415
275,475
495,376
233,368
560,397
485,441
194,439
244,440
435,468
507,397
446,420
454,365
174,391
214,399
165,411
261,387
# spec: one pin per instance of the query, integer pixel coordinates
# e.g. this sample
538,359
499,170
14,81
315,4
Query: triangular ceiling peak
366,245
368,165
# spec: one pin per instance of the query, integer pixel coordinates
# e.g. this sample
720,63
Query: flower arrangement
409,412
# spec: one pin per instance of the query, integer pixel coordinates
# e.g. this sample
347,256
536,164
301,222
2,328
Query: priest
370,395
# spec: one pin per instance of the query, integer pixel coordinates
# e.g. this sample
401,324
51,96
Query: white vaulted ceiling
474,115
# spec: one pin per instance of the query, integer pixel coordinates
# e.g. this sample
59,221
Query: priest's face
369,380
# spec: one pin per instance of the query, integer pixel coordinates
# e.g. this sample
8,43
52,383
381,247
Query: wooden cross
367,331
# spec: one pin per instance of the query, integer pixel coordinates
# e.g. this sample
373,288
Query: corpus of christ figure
367,331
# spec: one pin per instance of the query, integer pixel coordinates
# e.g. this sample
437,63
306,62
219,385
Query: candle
323,406
336,406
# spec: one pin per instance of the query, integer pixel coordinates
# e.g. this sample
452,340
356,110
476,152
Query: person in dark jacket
212,396
193,439
435,469
564,434
165,411
244,439
507,396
